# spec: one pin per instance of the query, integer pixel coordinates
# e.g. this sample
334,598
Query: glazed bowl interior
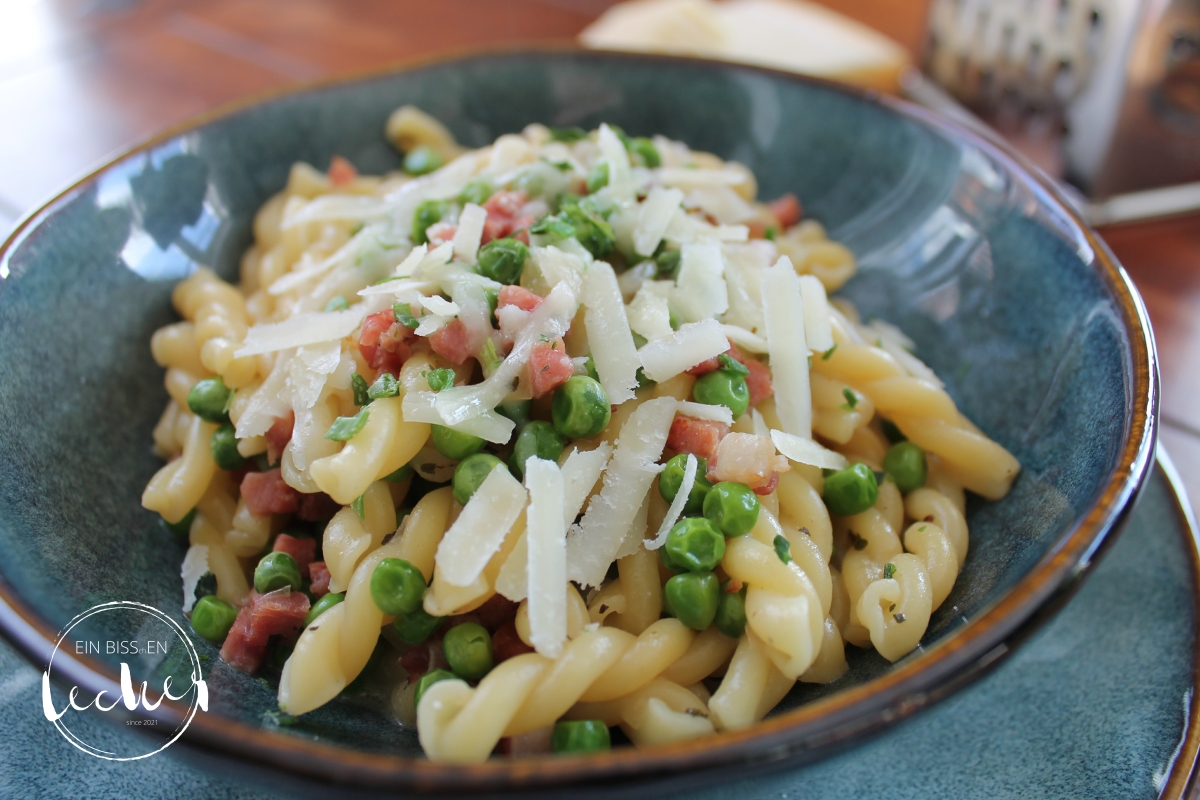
1038,339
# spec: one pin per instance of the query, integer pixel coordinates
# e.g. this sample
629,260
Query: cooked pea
851,491
580,736
324,604
429,212
693,598
212,618
455,445
476,192
695,544
224,448
580,408
537,438
276,570
184,526
671,478
209,400
723,388
641,146
421,160
516,410
503,260
397,587
731,613
468,650
732,507
905,462
416,627
429,679
470,474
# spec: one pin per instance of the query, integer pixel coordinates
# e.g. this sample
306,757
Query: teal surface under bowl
1037,332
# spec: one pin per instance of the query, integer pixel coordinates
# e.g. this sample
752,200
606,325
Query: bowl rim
804,733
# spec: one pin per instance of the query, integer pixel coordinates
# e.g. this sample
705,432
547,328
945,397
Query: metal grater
1114,84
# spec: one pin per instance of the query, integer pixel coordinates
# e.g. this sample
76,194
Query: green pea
397,587
324,604
468,650
671,478
184,526
580,736
641,146
416,627
455,445
851,491
422,160
905,462
429,212
212,618
503,260
476,192
580,408
537,438
731,613
695,544
429,679
693,598
470,474
275,571
722,388
732,507
209,400
516,410
597,179
224,448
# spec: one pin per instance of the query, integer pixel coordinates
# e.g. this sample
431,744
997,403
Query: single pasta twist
218,313
177,487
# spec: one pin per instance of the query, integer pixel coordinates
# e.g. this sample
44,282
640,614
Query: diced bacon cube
749,459
415,662
341,171
504,217
787,210
712,364
452,342
496,611
266,493
318,507
549,367
280,613
518,296
303,550
758,381
318,578
278,436
440,233
385,343
700,437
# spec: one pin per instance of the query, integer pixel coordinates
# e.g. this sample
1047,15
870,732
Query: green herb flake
344,429
571,134
361,391
770,233
728,363
404,315
783,549
440,379
828,354
385,385
851,399
554,227
561,166
489,358
337,303
922,529
889,569
357,505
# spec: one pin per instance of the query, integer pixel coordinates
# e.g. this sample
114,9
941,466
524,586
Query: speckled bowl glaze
1038,333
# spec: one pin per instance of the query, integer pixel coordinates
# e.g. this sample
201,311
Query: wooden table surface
82,79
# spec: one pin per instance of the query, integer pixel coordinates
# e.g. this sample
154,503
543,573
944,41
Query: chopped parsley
439,379
357,505
404,315
783,549
337,303
851,399
346,428
361,391
770,233
889,569
489,358
571,134
385,385
728,363
828,354
922,529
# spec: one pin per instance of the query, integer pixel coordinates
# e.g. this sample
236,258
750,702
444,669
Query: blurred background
1101,94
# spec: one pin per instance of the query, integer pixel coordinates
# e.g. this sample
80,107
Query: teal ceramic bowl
1037,331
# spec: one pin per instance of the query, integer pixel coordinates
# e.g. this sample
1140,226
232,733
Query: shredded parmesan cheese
818,327
303,329
620,176
685,348
653,218
788,350
676,509
745,339
608,332
469,233
700,288
580,472
704,411
480,529
195,564
546,545
421,406
807,451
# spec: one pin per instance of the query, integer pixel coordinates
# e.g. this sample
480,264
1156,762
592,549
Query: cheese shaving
700,288
420,406
469,233
676,509
546,545
784,311
480,529
654,216
439,305
195,565
303,329
620,176
807,451
400,287
649,314
704,411
593,545
692,344
431,324
744,339
608,332
512,580
818,326
580,472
